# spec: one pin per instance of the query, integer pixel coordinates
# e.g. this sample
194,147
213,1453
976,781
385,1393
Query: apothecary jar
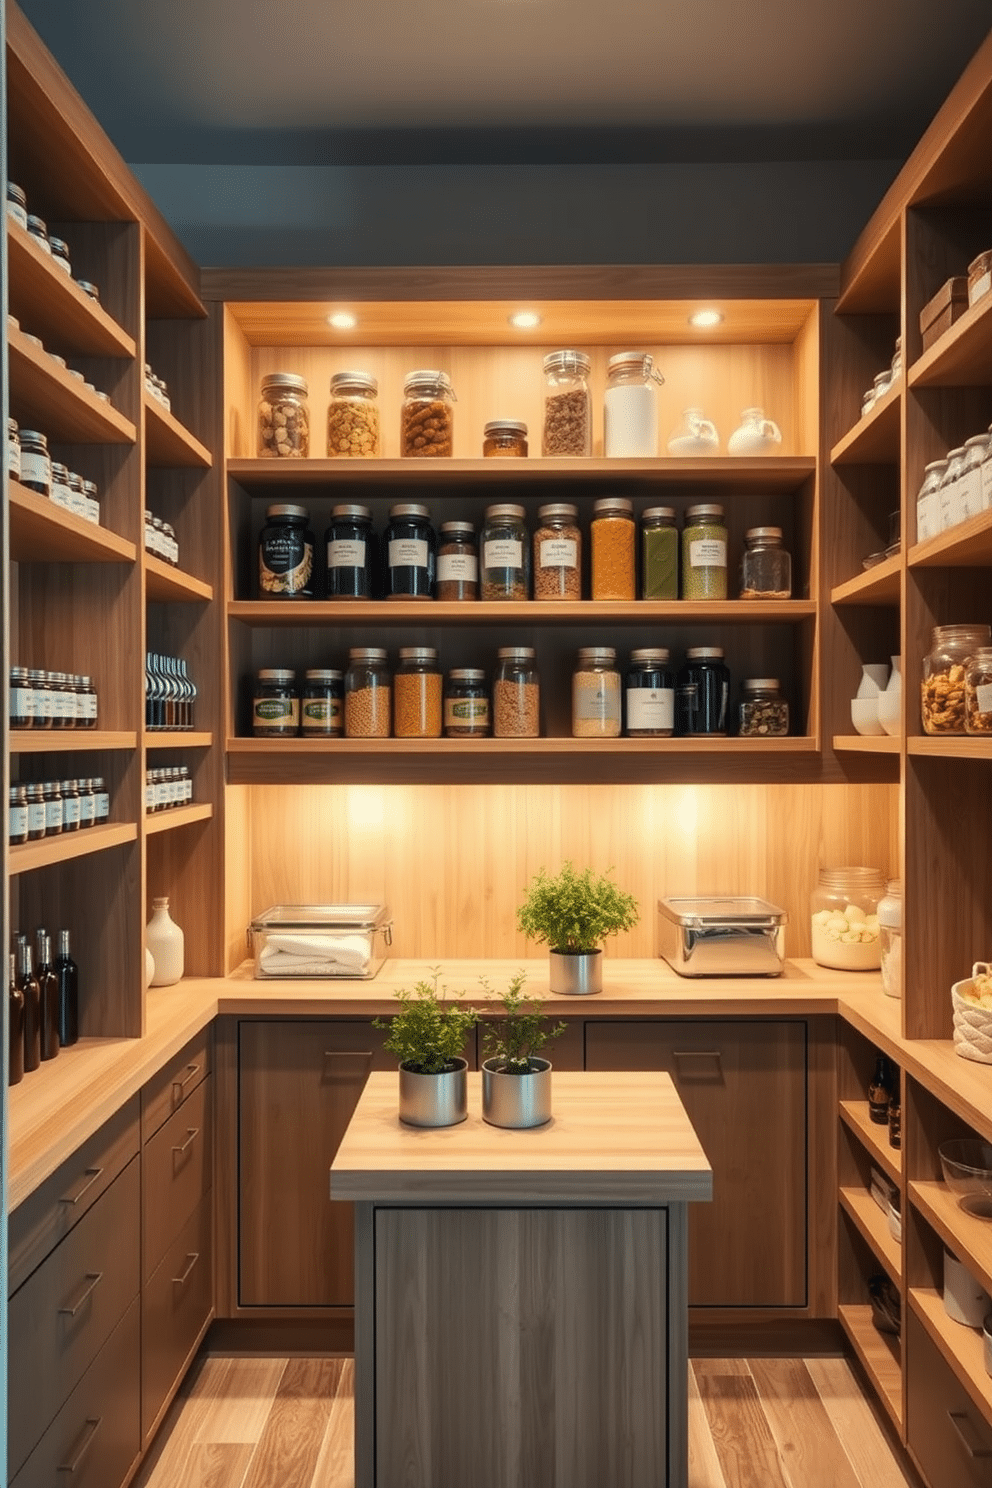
942,690
844,918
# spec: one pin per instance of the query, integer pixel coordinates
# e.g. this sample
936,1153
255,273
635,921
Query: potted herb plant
427,1035
516,1083
571,913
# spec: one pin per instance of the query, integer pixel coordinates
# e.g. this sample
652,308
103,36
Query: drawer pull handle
92,1174
91,1429
93,1279
181,1081
192,1132
973,1443
191,1260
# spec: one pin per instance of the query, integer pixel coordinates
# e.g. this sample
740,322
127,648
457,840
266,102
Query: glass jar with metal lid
91,495
367,694
764,712
505,553
17,205
89,703
17,819
504,439
284,416
89,289
976,452
557,553
928,501
417,694
466,704
353,417
53,808
949,495
70,806
322,705
61,493
427,415
766,567
596,694
286,554
36,812
944,672
702,693
43,716
649,694
21,699
704,553
36,462
567,404
60,254
659,553
351,553
410,550
13,451
39,232
613,533
630,428
890,938
516,694
457,562
275,708
978,692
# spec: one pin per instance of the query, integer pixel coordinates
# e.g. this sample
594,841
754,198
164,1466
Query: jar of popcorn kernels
844,918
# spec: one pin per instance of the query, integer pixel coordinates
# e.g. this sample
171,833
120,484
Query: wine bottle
15,1030
28,984
67,973
879,1091
48,991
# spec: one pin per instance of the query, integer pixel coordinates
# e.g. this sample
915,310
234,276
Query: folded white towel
301,953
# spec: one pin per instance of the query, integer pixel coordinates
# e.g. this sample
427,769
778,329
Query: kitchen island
521,1296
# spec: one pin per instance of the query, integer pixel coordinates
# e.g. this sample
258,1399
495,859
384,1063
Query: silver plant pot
578,973
516,1100
434,1100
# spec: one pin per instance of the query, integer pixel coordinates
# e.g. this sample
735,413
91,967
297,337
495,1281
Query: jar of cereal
353,417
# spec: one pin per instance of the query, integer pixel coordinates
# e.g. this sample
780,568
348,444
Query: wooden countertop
619,1139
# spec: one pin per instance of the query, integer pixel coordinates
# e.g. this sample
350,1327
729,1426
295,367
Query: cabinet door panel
743,1085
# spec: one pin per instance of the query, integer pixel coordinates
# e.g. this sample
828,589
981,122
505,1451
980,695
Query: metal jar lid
31,436
367,653
410,509
763,534
88,288
658,516
651,656
363,381
352,513
704,653
613,506
700,513
516,653
597,655
322,674
506,513
427,380
17,194
504,426
297,512
418,653
560,509
466,674
575,362
276,674
761,684
452,529
286,382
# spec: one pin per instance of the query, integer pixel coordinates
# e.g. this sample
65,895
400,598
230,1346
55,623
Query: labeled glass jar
350,545
62,493
17,818
417,694
353,417
928,501
766,567
890,938
457,562
649,695
516,694
978,692
53,808
466,704
976,452
596,694
36,812
43,715
704,553
942,689
13,450
322,707
504,549
567,404
427,416
284,417
285,554
613,534
70,806
949,495
367,694
275,705
557,553
36,462
763,711
630,406
21,699
504,439
410,548
844,918
17,205
702,693
659,553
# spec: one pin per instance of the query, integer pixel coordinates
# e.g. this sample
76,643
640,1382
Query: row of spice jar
505,561
160,539
955,488
51,700
30,463
57,248
956,688
48,808
167,786
13,324
156,388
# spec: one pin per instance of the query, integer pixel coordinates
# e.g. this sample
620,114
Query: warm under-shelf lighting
525,320
703,320
342,320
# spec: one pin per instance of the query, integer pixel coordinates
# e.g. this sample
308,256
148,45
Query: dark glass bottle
409,553
895,1112
48,992
67,973
879,1091
15,1027
28,983
701,693
351,553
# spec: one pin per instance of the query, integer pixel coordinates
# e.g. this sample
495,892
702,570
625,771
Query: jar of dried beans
557,553
367,694
284,416
596,694
944,670
516,695
417,694
427,415
613,540
353,416
457,562
505,553
764,712
567,404
978,692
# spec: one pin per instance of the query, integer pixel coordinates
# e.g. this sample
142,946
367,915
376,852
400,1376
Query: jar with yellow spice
417,694
613,534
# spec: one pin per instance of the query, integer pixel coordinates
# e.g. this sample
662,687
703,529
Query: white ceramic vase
890,700
874,679
167,944
757,435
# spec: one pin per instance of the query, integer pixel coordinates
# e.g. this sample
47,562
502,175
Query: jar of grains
704,553
613,532
367,694
427,421
516,694
649,697
36,462
285,554
410,549
978,692
457,562
13,451
766,568
702,693
505,552
504,439
844,918
275,707
353,416
596,694
322,710
417,694
630,406
764,712
466,704
659,553
284,416
557,553
351,553
567,404
943,685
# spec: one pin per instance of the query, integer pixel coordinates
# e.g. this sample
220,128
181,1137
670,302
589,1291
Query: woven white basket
972,1024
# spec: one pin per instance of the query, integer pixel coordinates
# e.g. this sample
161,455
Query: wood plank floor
249,1422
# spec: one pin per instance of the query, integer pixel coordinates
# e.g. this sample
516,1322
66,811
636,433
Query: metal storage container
722,936
320,940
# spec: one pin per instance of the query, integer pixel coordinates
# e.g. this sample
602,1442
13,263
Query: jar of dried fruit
944,670
613,534
427,417
284,416
516,695
557,553
978,692
353,416
567,404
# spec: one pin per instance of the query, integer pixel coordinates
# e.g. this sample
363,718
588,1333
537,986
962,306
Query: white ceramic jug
757,435
874,679
694,435
890,700
167,944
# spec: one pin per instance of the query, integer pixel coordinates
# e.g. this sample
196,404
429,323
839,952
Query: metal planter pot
579,973
516,1100
434,1100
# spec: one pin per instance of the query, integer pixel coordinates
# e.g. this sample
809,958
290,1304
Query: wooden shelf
163,582
168,444
68,741
175,817
68,845
968,1236
961,1346
268,613
48,303
880,585
193,739
963,355
878,1353
872,1225
951,746
44,396
874,440
43,533
872,1136
867,743
967,545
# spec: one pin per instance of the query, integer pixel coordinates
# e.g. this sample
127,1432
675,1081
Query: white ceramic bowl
890,711
864,716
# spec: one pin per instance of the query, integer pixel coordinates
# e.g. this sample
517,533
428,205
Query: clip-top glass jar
504,439
285,554
367,694
844,918
322,710
596,694
613,532
659,553
504,548
427,418
702,693
417,694
631,406
516,694
284,416
410,552
275,708
650,695
557,553
766,567
350,544
353,417
943,685
567,404
704,553
764,712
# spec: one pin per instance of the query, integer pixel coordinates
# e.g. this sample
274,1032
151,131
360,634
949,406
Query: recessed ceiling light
525,320
704,319
343,320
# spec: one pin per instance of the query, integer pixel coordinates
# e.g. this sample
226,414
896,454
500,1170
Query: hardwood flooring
248,1422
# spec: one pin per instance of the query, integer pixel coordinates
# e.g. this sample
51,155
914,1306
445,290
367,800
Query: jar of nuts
367,694
516,695
353,417
567,404
557,553
944,670
427,417
417,694
284,416
978,692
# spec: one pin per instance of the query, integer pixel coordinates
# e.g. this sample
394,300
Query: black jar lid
296,513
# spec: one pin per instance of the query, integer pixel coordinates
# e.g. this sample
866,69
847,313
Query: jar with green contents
704,553
659,554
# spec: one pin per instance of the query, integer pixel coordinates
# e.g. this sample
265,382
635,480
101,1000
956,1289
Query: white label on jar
90,702
22,702
346,552
19,214
62,494
651,708
36,468
599,700
161,793
630,421
559,552
458,568
970,489
933,513
949,498
18,822
986,470
36,816
70,811
983,696
707,552
49,703
77,503
53,815
149,795
980,287
923,519
87,810
408,552
102,811
65,705
503,552
93,515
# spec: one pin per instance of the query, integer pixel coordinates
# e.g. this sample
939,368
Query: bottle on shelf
67,974
880,1091
167,943
15,1026
48,993
31,992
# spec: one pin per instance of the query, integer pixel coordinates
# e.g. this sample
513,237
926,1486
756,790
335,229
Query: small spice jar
21,699
630,406
702,693
13,451
466,704
285,554
367,694
649,695
322,709
557,553
427,416
350,545
978,692
505,553
17,817
284,416
928,501
410,547
504,439
43,713
457,562
613,533
596,694
766,567
36,462
60,255
890,938
417,694
516,694
53,808
944,671
62,493
949,495
659,553
37,815
275,706
353,416
567,404
763,711
704,553
39,232
17,205
70,806
844,918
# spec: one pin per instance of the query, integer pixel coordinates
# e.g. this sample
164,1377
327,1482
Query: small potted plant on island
516,1084
571,913
428,1036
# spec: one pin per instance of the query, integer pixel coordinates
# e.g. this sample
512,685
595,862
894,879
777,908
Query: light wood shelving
162,582
43,533
877,1357
176,817
58,311
854,1114
62,849
43,393
872,1225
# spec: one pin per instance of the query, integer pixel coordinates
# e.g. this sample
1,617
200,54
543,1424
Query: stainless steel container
320,940
516,1101
722,936
434,1100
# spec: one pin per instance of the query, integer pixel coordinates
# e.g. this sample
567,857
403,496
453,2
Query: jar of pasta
596,694
427,416
613,533
557,553
417,694
944,668
367,694
704,553
353,416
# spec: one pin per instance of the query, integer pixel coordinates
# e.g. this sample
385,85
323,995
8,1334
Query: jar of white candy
844,918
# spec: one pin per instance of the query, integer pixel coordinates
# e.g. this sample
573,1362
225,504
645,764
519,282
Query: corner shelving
172,585
874,439
169,443
881,585
175,817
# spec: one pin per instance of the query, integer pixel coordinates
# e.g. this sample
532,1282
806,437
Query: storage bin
722,936
320,940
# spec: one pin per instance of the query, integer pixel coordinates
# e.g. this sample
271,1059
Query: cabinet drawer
47,1215
949,1436
177,1173
93,1441
175,1305
166,1091
63,1314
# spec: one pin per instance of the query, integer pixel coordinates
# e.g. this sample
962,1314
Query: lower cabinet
949,1436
